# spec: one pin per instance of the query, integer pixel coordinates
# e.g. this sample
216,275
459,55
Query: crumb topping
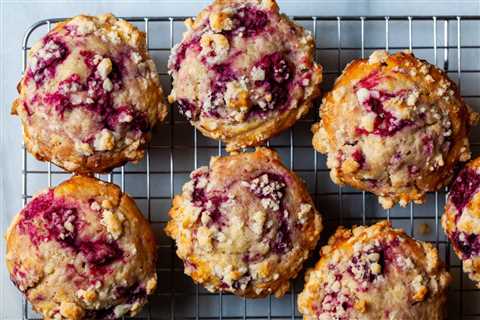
80,77
240,64
402,137
247,222
370,270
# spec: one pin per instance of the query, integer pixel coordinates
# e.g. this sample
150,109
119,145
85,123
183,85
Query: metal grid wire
177,149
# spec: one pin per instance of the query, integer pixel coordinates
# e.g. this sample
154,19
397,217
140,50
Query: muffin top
243,72
244,225
90,95
375,272
82,250
393,125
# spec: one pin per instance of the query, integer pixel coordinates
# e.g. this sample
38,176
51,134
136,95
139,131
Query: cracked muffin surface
393,125
90,95
244,225
244,72
375,272
461,220
82,250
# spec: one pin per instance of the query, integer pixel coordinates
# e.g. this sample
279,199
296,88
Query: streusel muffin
393,125
461,220
90,95
375,272
82,250
244,225
244,72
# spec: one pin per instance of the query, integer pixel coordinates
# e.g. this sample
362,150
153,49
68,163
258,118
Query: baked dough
375,272
90,95
244,72
244,225
82,250
393,125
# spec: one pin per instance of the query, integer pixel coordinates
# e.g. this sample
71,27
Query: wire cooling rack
451,42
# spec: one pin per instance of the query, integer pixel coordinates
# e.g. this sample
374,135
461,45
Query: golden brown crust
57,273
249,246
373,272
260,134
425,108
237,124
79,125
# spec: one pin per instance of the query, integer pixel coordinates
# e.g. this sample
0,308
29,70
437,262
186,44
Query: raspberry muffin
393,125
243,72
461,220
244,225
90,95
375,272
82,250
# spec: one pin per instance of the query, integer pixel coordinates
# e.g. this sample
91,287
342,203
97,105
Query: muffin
375,272
82,250
244,225
90,95
243,72
393,125
461,220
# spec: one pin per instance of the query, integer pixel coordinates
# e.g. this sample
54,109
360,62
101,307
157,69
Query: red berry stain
223,74
385,123
193,44
47,218
359,157
54,52
249,21
463,188
335,303
100,101
427,141
279,74
209,201
467,244
370,81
